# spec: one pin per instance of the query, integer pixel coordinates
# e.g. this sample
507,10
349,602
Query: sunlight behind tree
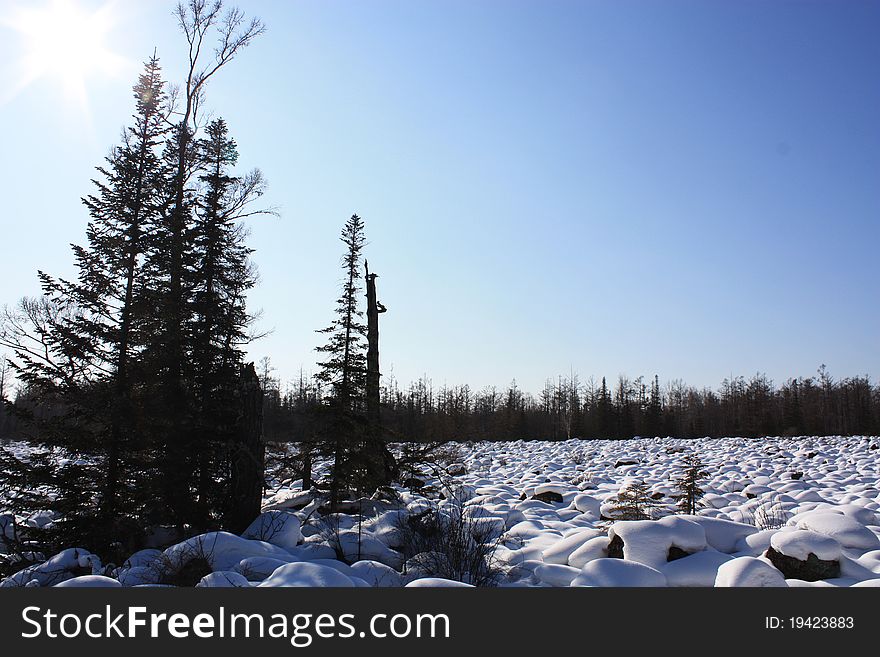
61,41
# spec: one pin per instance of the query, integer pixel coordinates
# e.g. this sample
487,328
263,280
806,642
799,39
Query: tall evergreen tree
218,314
344,369
79,344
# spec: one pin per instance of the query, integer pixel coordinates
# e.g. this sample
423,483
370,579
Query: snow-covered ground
776,512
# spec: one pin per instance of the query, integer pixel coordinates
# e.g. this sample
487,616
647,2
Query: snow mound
553,574
89,582
65,565
436,582
800,544
748,571
224,579
698,569
276,527
377,574
723,535
648,542
618,572
304,574
595,548
587,504
256,569
845,530
561,550
222,551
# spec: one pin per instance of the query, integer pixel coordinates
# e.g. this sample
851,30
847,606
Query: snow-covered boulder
554,574
224,579
750,572
805,555
845,530
305,574
618,572
256,569
698,569
653,543
220,550
562,549
65,565
723,535
377,574
587,504
276,527
436,582
595,548
90,582
355,547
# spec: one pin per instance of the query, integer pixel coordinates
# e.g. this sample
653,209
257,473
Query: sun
61,40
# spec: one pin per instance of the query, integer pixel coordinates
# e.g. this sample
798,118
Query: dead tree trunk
381,463
247,458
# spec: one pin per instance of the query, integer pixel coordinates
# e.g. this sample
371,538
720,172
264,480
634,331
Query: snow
222,550
553,574
648,542
723,535
304,574
276,527
436,582
698,569
377,574
845,530
748,571
618,572
800,544
751,504
560,551
224,579
90,582
65,565
595,548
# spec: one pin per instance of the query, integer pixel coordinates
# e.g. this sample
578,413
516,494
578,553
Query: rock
550,497
650,542
621,463
812,569
456,469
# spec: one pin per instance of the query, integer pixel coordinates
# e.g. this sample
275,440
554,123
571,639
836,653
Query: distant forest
569,408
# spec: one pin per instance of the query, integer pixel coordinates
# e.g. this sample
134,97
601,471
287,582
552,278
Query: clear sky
684,188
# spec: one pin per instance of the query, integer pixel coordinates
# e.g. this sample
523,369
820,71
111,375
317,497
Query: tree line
568,408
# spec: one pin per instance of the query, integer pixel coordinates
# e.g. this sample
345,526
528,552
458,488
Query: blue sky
681,188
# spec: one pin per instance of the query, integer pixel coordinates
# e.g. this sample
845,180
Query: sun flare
60,40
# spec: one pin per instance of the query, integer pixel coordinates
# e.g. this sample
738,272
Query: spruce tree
218,314
78,347
344,370
688,484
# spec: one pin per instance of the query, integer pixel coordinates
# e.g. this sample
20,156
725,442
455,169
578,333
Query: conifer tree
344,370
79,344
688,484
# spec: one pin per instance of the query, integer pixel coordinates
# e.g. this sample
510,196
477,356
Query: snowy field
775,512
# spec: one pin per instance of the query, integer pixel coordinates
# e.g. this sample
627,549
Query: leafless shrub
445,541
